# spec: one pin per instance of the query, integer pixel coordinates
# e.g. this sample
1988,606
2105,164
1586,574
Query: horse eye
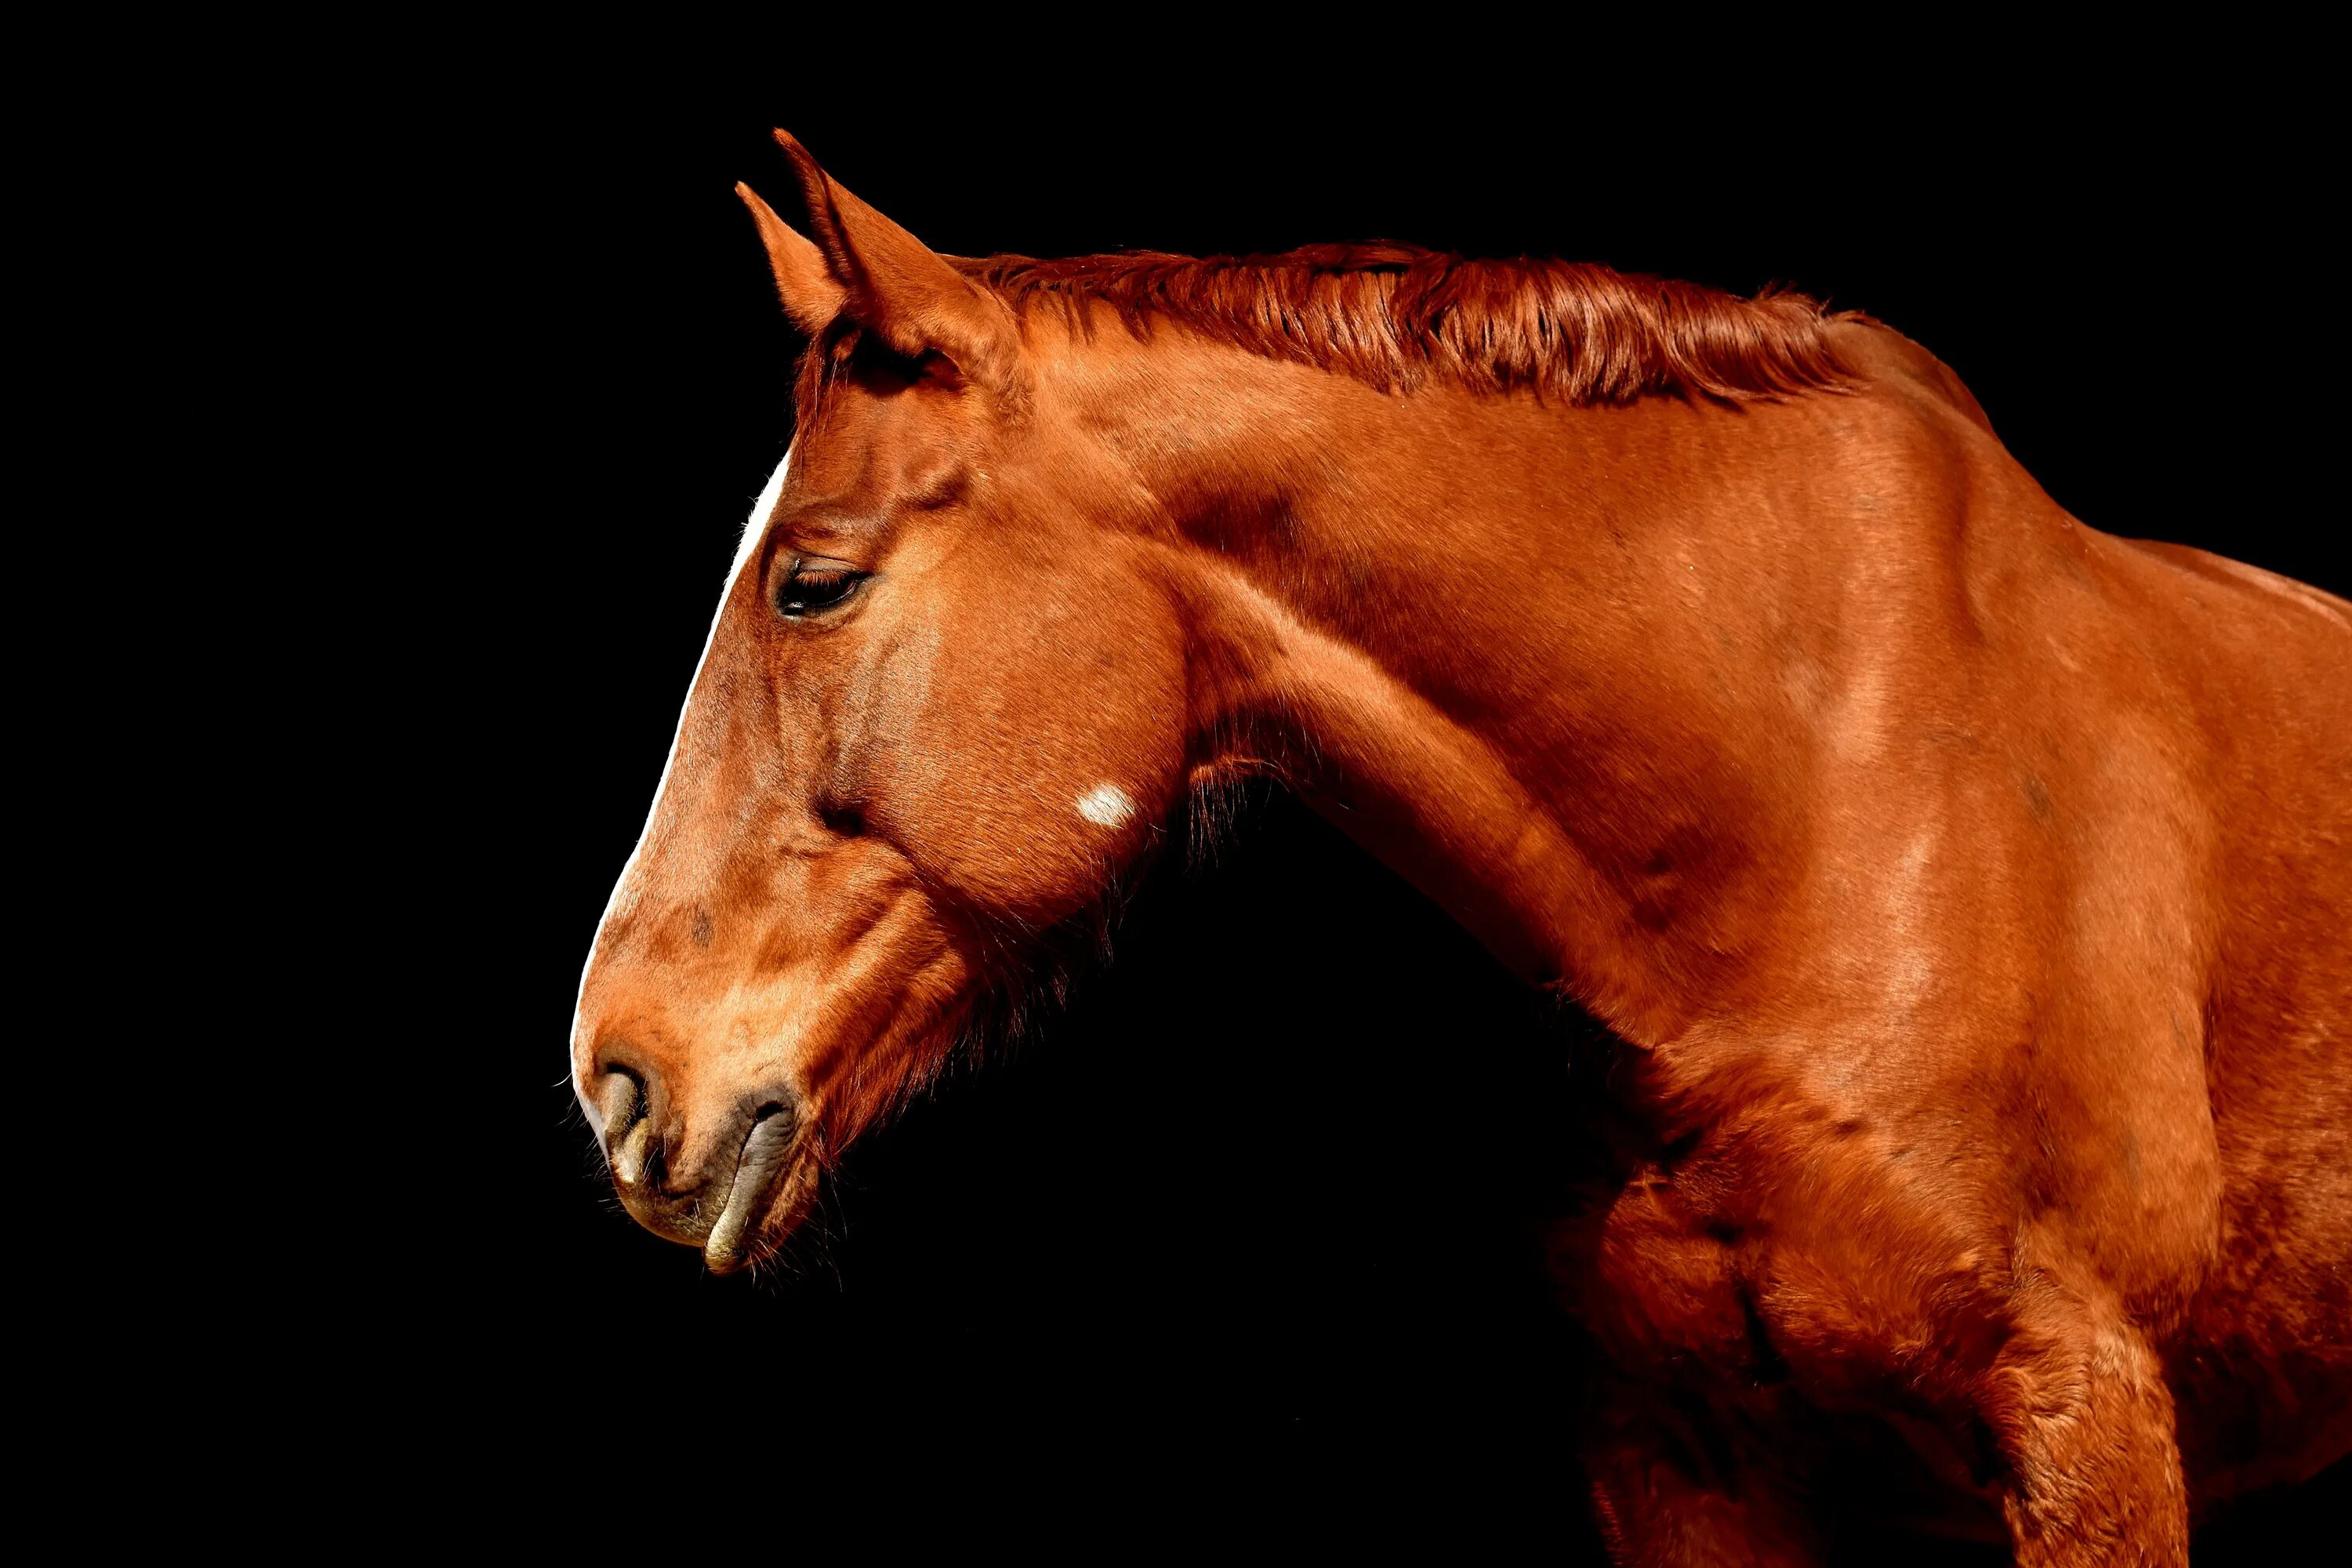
814,585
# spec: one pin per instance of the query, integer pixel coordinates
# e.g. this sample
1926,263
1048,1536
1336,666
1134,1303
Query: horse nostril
626,1130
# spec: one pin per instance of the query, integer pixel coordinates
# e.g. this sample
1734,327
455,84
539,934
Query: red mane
1395,315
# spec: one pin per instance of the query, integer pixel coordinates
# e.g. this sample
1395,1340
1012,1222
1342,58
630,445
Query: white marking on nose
1105,806
755,529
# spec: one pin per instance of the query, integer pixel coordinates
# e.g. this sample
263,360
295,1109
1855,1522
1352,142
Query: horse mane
1396,316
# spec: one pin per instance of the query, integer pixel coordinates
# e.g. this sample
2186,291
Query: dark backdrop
1265,1190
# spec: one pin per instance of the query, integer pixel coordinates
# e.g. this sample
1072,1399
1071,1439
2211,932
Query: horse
1963,890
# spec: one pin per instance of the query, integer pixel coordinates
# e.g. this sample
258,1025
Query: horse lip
767,1149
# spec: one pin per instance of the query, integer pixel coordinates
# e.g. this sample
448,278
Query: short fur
1966,889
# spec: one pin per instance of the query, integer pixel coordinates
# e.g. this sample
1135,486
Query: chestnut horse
1969,890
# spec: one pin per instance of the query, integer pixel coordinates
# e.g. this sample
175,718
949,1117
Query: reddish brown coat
1968,887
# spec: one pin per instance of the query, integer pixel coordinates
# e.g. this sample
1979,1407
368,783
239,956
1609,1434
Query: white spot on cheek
1105,806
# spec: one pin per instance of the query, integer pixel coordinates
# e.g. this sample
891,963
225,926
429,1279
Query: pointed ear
897,287
811,299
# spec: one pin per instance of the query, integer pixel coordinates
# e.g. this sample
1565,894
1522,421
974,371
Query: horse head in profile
944,702
1707,658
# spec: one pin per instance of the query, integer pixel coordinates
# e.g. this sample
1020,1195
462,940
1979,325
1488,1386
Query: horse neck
1545,661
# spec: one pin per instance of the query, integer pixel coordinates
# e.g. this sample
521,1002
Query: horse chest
1662,1285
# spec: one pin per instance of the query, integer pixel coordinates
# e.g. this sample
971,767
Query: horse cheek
1036,766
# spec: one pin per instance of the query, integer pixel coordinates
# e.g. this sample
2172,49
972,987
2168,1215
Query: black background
1265,1194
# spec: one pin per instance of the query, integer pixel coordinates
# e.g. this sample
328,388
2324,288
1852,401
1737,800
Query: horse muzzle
745,1178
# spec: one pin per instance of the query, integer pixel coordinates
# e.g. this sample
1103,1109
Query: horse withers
1967,888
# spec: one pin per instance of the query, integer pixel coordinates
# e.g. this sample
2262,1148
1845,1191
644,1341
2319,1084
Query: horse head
942,706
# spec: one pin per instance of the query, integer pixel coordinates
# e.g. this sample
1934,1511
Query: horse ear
896,286
804,282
